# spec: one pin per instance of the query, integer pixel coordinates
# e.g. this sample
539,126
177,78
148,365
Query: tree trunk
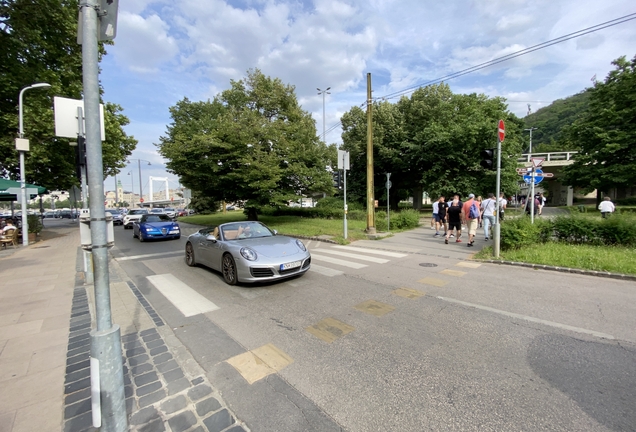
417,198
252,214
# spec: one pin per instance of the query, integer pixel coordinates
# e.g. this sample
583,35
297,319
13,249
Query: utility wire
498,60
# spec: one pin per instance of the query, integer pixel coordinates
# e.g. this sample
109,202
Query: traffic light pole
497,228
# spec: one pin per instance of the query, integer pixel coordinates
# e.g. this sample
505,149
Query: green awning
10,190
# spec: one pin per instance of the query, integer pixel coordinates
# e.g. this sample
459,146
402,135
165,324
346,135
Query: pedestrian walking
479,201
542,201
606,207
434,216
441,216
503,203
471,215
454,217
488,214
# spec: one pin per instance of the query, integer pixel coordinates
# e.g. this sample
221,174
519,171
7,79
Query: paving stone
144,415
197,381
136,343
129,337
134,361
162,358
178,385
83,350
147,378
135,351
79,338
148,332
79,423
127,380
159,350
77,366
199,392
154,344
141,391
237,428
152,398
173,375
128,391
131,405
141,369
175,404
77,408
77,385
207,406
81,344
154,426
183,421
77,396
77,375
151,337
219,421
167,366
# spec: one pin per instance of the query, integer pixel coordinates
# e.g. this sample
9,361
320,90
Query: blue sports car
156,226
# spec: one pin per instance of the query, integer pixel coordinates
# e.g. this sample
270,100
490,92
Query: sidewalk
46,314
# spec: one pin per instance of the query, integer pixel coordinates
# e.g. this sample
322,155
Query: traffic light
336,179
488,159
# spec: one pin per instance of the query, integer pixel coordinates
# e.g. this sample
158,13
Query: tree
39,44
607,133
252,142
433,139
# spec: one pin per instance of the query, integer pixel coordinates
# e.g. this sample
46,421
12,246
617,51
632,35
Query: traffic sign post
501,135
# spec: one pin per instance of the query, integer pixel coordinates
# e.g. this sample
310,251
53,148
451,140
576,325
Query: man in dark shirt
454,218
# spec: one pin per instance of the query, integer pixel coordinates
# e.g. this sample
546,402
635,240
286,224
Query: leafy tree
39,44
252,142
607,133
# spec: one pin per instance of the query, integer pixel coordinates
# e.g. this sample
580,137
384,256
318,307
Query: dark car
65,214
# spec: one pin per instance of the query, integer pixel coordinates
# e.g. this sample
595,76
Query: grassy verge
599,258
290,225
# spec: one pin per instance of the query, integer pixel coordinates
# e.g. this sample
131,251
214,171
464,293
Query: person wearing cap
471,223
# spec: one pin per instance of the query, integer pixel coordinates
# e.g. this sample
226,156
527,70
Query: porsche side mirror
211,238
275,232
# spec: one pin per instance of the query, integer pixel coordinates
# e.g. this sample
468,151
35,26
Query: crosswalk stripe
372,251
184,298
337,261
134,257
356,256
325,271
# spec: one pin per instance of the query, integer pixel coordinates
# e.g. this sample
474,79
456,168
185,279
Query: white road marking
372,251
337,261
325,271
531,319
134,257
356,256
184,298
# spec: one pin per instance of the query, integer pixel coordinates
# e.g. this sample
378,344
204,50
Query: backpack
474,211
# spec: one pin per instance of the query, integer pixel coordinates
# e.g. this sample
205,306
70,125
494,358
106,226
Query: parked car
65,214
247,252
118,218
156,210
49,215
230,208
172,213
156,227
132,216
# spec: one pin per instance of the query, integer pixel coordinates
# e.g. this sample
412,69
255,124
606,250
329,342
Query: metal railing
556,156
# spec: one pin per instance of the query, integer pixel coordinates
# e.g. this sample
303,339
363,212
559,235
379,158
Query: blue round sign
537,179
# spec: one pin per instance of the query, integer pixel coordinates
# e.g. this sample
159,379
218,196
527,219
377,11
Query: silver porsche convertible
247,252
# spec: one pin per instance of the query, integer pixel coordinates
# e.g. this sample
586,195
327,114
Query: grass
599,258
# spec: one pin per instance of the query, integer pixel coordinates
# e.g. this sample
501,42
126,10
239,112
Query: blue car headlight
248,254
301,245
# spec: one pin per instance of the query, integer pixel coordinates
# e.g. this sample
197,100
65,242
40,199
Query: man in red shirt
471,222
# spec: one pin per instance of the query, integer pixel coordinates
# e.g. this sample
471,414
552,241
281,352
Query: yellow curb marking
375,308
433,281
453,272
408,293
260,362
330,329
468,264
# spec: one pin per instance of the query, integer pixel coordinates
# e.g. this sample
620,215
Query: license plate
290,265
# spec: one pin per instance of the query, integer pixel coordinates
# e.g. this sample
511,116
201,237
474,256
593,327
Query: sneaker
458,241
432,228
446,241
486,238
436,234
470,244
452,235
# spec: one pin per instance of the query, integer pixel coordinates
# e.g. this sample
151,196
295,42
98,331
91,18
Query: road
405,334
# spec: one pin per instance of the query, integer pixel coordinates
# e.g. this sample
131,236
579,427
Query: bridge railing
555,156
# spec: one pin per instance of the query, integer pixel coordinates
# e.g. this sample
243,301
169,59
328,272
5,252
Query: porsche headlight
248,254
301,245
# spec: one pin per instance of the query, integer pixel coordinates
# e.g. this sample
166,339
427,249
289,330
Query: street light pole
323,92
141,194
530,130
132,188
23,194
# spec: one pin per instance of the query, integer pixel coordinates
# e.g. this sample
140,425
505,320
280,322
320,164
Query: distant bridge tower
163,179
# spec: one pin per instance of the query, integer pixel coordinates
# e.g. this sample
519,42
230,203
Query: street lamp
530,130
23,147
132,194
139,161
323,92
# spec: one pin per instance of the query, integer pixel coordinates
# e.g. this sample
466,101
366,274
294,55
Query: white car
172,213
132,216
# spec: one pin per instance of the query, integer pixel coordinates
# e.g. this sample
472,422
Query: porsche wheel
190,260
229,270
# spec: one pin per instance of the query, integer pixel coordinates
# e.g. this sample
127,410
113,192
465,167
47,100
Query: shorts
437,217
472,226
455,225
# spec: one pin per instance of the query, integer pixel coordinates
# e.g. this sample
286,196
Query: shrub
626,201
517,233
405,219
574,229
380,221
35,224
338,203
357,214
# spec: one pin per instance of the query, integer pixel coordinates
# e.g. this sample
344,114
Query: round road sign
502,130
141,200
537,179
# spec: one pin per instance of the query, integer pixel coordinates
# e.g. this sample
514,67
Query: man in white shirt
606,207
503,202
488,211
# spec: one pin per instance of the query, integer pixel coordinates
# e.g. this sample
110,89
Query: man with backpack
471,216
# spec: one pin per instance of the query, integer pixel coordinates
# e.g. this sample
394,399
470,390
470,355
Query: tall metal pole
141,193
116,192
105,339
322,92
497,227
370,195
530,129
532,175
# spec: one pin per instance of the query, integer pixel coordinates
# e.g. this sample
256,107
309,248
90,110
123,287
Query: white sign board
343,160
66,124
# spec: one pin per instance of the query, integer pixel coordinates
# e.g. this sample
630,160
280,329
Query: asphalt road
422,341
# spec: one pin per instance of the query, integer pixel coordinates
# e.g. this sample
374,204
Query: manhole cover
40,247
428,265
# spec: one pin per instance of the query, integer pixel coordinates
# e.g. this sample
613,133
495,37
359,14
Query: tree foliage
252,142
433,139
607,133
39,44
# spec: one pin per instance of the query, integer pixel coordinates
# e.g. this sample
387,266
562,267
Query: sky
167,50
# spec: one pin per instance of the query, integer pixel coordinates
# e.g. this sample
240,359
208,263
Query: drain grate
428,265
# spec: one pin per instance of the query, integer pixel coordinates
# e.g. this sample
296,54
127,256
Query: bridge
558,194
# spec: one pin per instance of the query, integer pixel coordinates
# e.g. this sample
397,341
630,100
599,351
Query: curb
610,275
